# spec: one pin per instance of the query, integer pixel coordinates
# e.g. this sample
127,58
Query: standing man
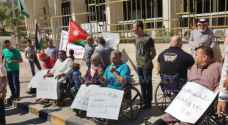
145,52
89,49
30,54
52,51
203,36
12,58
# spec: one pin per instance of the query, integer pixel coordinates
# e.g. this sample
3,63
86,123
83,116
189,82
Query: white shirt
62,67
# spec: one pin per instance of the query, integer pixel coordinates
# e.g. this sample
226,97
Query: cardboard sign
37,79
82,98
191,103
105,103
47,89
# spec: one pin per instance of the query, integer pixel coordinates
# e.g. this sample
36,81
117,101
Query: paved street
17,117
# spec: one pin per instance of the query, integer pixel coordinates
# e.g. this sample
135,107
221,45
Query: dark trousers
32,64
145,80
2,113
14,83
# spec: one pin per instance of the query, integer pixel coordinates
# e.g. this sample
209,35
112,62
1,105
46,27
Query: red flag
76,34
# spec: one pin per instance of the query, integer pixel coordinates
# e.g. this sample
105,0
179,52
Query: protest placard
78,50
37,79
64,45
47,89
191,102
105,103
82,98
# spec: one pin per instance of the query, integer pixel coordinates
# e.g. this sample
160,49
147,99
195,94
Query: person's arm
152,47
26,54
124,76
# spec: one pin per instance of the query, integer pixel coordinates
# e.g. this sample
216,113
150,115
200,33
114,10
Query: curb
53,117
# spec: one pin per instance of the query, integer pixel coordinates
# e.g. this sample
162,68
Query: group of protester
203,66
106,68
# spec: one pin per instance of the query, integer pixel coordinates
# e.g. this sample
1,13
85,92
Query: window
205,6
97,10
142,9
66,11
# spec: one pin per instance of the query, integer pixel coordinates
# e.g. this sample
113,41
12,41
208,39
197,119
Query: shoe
31,91
60,103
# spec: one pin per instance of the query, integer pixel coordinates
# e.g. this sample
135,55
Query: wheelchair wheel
209,120
131,104
162,97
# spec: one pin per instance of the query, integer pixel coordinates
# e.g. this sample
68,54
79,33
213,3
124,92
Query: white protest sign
63,40
37,78
64,45
82,98
105,103
78,50
47,89
191,102
112,39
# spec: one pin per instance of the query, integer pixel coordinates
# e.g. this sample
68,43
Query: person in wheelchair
94,74
205,72
174,63
73,77
62,66
117,74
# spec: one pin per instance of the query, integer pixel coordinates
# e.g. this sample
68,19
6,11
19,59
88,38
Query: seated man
62,66
118,73
174,62
205,72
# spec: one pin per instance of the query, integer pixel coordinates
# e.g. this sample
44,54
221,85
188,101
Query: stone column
169,13
114,14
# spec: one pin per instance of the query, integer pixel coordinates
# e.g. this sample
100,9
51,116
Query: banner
78,50
105,103
191,103
64,45
112,39
47,89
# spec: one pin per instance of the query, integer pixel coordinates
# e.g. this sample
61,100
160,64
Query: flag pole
14,23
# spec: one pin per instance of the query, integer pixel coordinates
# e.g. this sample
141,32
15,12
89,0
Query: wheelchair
167,90
208,118
211,118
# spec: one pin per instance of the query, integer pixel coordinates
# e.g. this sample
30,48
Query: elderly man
175,61
205,72
203,36
62,66
118,73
